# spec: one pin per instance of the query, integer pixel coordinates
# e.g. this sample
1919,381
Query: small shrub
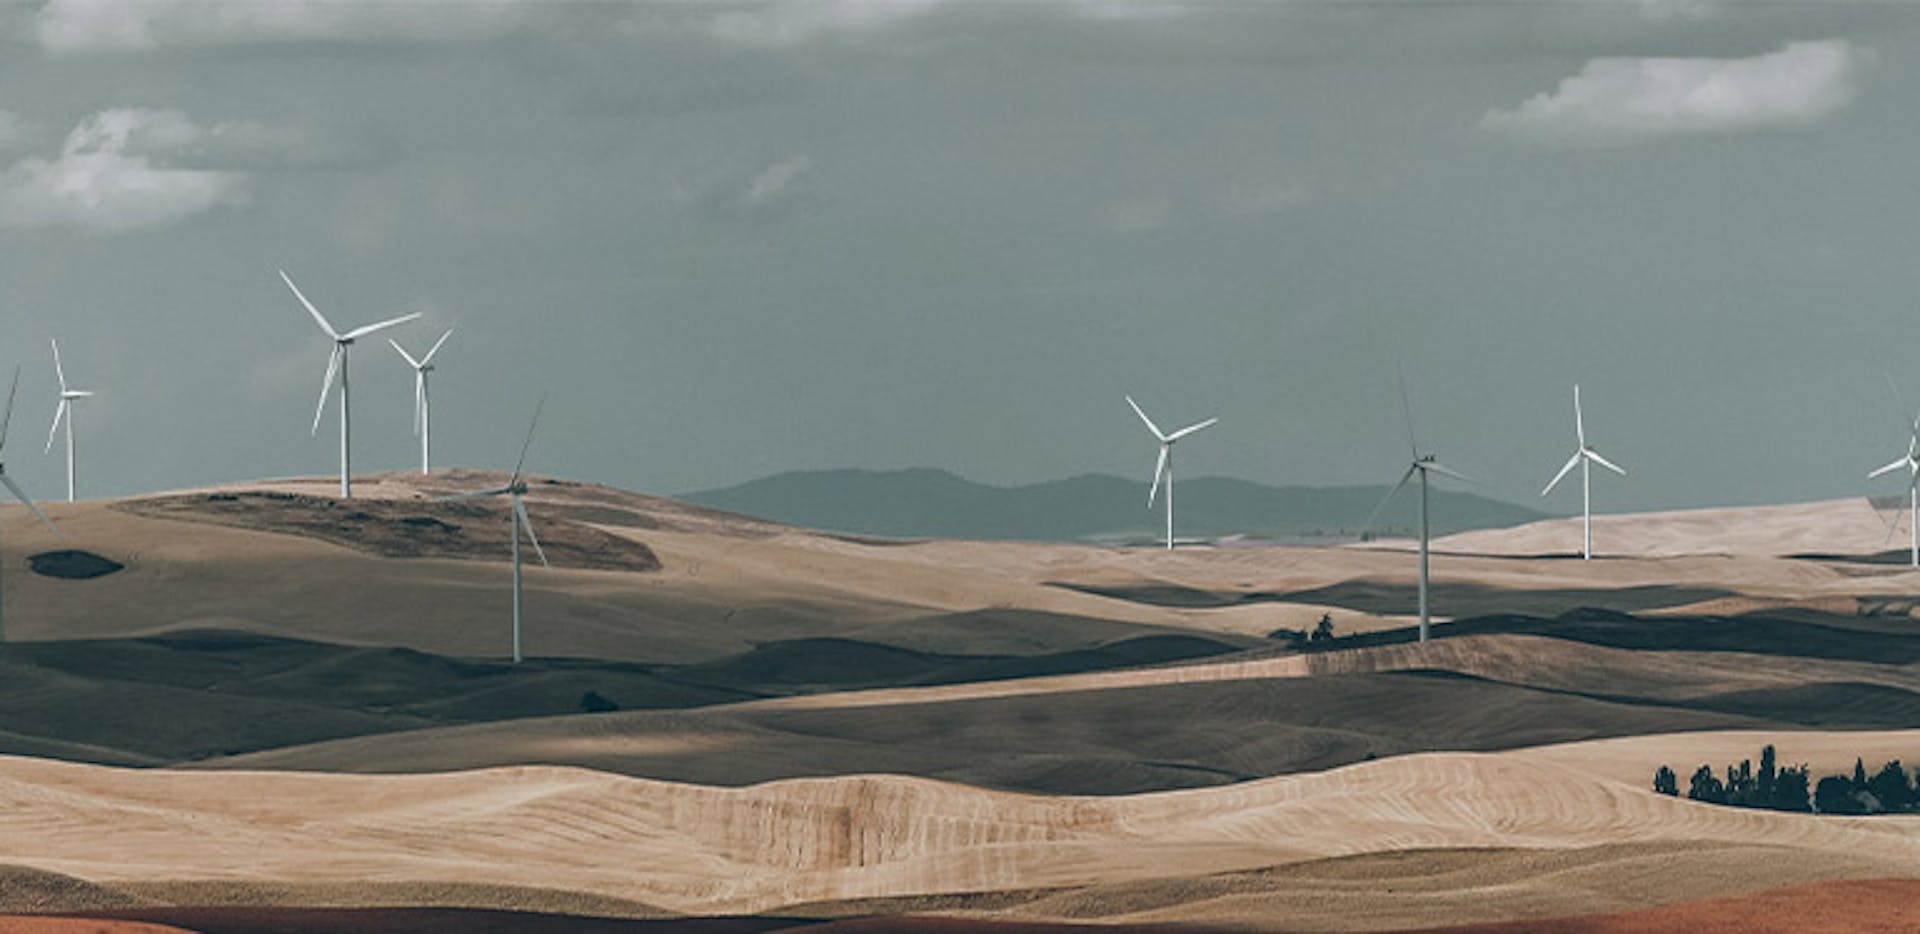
1292,637
1323,631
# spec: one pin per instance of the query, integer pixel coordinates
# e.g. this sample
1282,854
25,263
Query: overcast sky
730,239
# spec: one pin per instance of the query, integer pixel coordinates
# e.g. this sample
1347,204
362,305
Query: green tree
1890,786
1763,782
1740,784
1323,631
1834,795
1704,787
1859,774
1665,782
1790,792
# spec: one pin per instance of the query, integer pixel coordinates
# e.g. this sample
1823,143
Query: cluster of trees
1888,791
1322,633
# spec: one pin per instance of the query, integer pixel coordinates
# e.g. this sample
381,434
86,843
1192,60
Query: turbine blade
416,364
435,348
1890,468
1159,470
58,370
475,494
1900,402
317,316
1143,417
1562,475
1384,500
527,523
1190,429
326,388
380,326
6,419
1893,525
1610,465
26,500
59,412
522,462
1446,471
1406,405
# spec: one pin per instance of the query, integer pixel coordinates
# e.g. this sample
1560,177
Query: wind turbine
1164,469
516,486
337,364
1421,464
1912,462
422,415
1585,457
68,396
19,494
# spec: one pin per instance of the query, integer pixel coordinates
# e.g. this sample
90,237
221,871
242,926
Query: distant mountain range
928,503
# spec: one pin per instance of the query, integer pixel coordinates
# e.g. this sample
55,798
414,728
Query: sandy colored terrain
708,850
280,920
1549,830
727,582
1876,906
1130,730
1840,526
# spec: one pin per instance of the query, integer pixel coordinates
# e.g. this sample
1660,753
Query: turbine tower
1422,464
1912,462
1585,457
337,365
422,414
6,418
516,487
68,396
1164,468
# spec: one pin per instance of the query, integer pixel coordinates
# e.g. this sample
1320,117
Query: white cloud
1615,100
83,25
122,170
775,179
